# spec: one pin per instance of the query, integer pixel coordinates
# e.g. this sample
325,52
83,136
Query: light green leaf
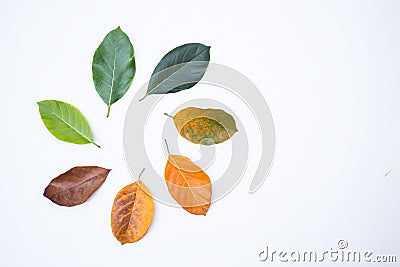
113,67
180,69
65,122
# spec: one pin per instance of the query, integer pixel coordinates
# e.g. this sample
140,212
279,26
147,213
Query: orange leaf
188,184
132,213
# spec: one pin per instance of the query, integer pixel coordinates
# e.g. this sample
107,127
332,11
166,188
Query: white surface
328,69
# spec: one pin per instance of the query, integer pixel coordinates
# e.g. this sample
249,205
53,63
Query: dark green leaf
179,69
65,122
113,67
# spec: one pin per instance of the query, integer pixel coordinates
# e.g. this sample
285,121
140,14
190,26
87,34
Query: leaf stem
166,114
96,144
140,174
143,97
108,110
166,144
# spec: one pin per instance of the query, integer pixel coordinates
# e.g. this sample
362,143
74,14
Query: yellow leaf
132,213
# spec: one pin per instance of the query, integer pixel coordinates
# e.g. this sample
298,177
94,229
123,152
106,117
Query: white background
328,69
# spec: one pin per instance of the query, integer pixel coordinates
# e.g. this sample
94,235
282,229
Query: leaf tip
39,103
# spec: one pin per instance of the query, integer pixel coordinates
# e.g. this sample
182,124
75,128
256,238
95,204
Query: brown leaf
132,213
75,186
188,184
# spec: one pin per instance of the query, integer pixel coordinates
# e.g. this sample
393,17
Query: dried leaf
205,126
132,213
75,186
188,184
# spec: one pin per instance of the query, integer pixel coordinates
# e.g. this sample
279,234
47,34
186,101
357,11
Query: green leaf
206,126
180,69
113,67
65,122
